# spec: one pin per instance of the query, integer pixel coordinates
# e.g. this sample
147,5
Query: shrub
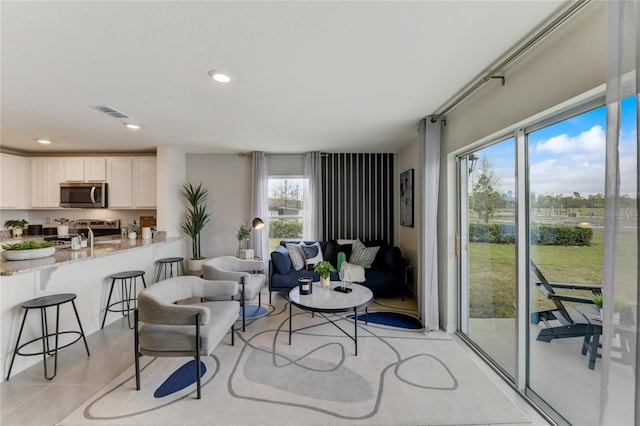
285,229
548,235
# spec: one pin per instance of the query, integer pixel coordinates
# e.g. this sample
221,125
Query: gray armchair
243,271
165,329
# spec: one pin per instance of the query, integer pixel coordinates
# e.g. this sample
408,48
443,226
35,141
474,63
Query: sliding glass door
529,236
487,251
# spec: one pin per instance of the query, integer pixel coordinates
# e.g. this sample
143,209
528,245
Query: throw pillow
362,255
353,273
281,260
297,256
312,252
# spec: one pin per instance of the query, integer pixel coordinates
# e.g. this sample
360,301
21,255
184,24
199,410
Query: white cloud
592,140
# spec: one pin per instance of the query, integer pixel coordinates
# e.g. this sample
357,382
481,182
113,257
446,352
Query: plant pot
132,235
63,230
195,266
16,232
325,282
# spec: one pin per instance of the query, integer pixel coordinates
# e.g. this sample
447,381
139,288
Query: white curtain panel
429,174
313,206
259,205
620,395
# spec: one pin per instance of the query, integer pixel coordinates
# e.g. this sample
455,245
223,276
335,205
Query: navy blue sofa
385,277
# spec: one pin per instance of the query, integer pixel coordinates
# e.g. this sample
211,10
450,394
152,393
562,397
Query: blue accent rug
392,319
180,379
253,311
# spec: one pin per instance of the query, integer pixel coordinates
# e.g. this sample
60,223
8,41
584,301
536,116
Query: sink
105,242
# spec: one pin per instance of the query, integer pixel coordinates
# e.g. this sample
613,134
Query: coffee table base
355,323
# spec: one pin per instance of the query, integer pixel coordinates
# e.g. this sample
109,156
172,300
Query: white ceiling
329,76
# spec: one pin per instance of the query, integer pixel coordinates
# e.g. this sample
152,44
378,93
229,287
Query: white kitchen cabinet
132,182
13,175
89,169
46,175
72,169
120,189
144,182
95,169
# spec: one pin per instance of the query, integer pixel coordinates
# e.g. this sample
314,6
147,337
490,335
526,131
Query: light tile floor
28,399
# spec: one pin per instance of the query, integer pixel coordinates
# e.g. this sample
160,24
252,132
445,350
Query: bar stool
43,303
167,264
128,294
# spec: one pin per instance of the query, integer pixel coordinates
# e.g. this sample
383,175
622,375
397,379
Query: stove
99,227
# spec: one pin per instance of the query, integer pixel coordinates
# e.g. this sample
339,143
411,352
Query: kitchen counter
103,246
86,273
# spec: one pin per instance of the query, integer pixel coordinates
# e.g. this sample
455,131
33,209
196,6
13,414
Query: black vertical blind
358,196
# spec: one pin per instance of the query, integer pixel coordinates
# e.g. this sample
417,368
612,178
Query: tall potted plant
196,218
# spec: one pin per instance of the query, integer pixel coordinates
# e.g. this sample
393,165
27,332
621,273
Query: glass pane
286,204
566,184
489,247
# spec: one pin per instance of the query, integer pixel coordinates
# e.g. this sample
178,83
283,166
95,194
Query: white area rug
400,377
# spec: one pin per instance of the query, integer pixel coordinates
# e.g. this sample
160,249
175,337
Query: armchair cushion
238,270
168,329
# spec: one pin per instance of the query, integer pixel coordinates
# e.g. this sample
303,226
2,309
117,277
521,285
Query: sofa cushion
296,254
281,260
333,248
362,255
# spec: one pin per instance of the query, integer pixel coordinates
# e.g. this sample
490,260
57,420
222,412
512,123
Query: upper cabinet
13,178
89,169
144,182
46,175
132,183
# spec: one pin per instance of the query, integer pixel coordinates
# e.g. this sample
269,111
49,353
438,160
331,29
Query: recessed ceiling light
132,126
219,76
44,141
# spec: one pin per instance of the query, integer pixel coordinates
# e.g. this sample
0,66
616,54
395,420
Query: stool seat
128,294
47,301
42,303
166,264
127,274
171,259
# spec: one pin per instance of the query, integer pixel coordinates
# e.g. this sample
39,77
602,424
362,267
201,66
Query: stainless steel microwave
83,194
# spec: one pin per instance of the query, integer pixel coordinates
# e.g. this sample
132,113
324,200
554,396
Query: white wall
171,175
566,64
228,178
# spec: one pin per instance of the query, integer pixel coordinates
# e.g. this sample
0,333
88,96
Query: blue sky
569,156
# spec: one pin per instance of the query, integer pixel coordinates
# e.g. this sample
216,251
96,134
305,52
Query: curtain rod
299,154
492,74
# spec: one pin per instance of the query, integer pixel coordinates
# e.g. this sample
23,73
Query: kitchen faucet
90,236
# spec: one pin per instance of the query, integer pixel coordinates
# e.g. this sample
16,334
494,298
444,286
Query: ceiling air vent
109,111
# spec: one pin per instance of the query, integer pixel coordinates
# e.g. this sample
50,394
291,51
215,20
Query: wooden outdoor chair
572,323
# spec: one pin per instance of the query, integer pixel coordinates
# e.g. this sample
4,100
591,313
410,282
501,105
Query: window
286,207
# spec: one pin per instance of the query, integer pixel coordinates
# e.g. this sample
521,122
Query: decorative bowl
28,254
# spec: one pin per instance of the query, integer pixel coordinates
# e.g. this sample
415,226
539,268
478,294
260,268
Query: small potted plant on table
324,268
132,230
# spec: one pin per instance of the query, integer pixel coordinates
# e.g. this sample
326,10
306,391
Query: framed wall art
406,198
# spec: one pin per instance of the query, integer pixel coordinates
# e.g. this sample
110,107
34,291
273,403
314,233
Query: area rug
399,377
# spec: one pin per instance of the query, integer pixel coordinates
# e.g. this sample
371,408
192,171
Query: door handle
93,194
457,245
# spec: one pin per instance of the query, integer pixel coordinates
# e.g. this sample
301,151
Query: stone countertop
104,246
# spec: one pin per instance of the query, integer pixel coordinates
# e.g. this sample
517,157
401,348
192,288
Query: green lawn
492,272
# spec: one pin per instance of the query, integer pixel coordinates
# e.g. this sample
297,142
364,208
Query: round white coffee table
327,300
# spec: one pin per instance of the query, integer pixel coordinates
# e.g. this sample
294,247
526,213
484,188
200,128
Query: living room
565,68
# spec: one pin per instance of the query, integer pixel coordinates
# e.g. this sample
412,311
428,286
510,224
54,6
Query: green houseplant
196,218
16,226
243,235
132,230
28,249
324,268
